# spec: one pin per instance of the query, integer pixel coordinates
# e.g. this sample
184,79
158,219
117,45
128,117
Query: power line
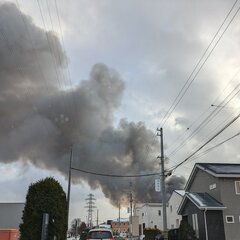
116,175
209,118
188,82
217,145
207,142
176,147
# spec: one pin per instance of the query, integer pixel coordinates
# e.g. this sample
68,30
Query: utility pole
97,217
131,202
119,222
69,182
162,177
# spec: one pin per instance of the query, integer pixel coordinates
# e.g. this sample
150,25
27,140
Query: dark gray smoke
41,120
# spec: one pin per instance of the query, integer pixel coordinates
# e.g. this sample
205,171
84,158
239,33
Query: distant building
120,225
11,215
173,218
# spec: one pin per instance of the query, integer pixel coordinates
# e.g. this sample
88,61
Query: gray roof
180,192
222,168
202,201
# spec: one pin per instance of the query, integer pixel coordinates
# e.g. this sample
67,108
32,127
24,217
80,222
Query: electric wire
203,145
174,146
188,83
209,118
215,146
116,175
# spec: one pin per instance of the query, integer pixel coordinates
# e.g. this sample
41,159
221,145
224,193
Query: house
212,201
120,225
173,218
149,215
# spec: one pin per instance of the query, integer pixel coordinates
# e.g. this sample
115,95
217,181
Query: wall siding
232,202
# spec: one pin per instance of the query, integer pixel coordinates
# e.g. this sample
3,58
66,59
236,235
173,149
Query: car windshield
100,234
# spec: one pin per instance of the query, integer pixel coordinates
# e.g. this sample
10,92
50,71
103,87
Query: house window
142,214
195,224
170,208
229,219
237,187
155,226
177,223
212,186
143,226
159,212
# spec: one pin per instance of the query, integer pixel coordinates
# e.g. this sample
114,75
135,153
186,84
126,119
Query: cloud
44,118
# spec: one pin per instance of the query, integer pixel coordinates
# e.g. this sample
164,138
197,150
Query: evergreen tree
44,196
186,231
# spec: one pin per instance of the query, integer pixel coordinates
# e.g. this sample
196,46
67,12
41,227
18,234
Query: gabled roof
220,170
203,201
180,192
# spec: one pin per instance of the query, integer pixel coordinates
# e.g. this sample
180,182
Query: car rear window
100,234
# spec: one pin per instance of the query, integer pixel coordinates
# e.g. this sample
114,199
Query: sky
99,77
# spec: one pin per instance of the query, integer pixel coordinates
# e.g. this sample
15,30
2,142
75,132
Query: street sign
45,221
157,185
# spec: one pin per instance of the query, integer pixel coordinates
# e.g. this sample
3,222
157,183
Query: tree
82,227
76,223
44,196
151,233
186,231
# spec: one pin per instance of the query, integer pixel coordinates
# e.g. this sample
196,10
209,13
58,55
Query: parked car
100,233
123,234
84,233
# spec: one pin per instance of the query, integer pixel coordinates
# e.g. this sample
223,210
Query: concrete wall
11,215
173,219
135,225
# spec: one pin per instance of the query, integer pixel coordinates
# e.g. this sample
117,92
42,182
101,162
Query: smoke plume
42,117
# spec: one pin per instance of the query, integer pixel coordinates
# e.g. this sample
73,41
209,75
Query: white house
173,219
150,216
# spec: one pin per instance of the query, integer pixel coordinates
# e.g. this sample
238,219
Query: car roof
100,229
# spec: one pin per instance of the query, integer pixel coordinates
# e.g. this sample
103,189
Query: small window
142,214
237,187
212,186
170,208
229,219
159,212
177,223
